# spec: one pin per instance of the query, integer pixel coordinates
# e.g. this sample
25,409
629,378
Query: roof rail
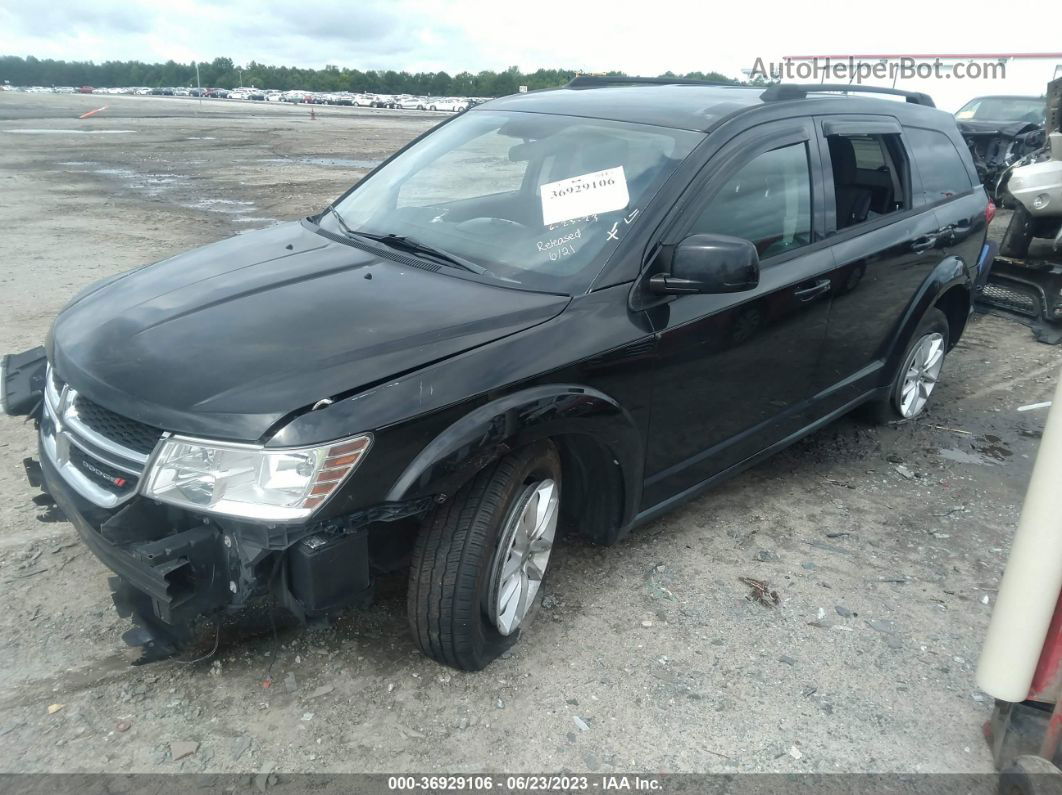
599,81
780,91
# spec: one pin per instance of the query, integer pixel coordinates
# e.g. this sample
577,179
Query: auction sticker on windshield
587,194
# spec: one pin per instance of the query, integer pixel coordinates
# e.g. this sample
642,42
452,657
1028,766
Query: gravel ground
885,546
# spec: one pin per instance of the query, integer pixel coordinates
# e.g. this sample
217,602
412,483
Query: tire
456,574
890,408
1030,775
1019,234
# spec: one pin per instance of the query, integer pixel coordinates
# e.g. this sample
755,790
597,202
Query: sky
591,35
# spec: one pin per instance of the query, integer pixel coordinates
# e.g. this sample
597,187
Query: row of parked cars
353,99
365,100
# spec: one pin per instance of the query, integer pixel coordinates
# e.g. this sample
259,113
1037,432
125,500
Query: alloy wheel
523,553
920,374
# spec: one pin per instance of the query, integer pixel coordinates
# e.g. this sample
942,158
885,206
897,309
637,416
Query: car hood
1008,129
228,339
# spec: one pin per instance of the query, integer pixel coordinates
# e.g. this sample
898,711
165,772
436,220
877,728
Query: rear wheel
918,374
480,560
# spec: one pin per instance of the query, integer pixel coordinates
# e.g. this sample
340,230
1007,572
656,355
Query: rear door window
870,176
943,173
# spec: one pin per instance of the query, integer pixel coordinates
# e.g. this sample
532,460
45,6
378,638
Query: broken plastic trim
174,569
22,381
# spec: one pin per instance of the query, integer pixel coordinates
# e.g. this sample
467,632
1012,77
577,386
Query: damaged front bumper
176,569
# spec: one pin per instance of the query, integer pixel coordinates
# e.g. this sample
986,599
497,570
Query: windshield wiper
408,244
403,243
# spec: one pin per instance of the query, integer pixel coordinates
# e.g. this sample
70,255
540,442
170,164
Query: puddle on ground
342,162
964,457
339,161
69,132
996,448
254,224
174,188
228,206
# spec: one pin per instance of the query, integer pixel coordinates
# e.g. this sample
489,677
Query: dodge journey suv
560,312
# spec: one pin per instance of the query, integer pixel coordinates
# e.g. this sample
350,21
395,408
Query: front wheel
918,374
480,560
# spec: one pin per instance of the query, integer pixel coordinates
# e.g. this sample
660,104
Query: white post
1033,577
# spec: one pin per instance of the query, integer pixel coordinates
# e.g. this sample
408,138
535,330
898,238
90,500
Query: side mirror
709,264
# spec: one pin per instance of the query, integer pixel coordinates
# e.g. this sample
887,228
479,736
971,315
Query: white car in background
411,103
452,104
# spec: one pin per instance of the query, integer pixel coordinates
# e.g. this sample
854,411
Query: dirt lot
885,546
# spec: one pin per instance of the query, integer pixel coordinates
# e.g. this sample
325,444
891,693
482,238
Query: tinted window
939,163
868,151
768,201
869,177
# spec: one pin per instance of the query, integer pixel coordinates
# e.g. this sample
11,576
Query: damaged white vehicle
1037,191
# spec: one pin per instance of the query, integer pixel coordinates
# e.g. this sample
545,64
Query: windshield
534,200
1029,109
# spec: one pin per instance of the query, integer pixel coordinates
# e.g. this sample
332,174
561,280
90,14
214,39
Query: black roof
692,106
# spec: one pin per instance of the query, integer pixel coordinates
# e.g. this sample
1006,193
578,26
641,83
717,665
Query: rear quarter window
943,172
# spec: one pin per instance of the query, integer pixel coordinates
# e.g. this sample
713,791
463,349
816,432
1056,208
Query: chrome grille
100,454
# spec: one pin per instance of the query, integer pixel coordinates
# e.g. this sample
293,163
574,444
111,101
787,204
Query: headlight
251,481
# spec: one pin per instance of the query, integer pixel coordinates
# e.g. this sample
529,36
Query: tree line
224,73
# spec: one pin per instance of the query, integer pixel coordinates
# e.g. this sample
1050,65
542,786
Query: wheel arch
601,453
954,302
948,288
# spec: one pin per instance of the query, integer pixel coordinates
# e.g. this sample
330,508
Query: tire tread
442,603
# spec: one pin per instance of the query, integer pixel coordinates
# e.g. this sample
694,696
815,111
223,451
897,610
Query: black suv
563,311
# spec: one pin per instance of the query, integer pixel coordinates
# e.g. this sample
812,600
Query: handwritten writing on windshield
562,246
